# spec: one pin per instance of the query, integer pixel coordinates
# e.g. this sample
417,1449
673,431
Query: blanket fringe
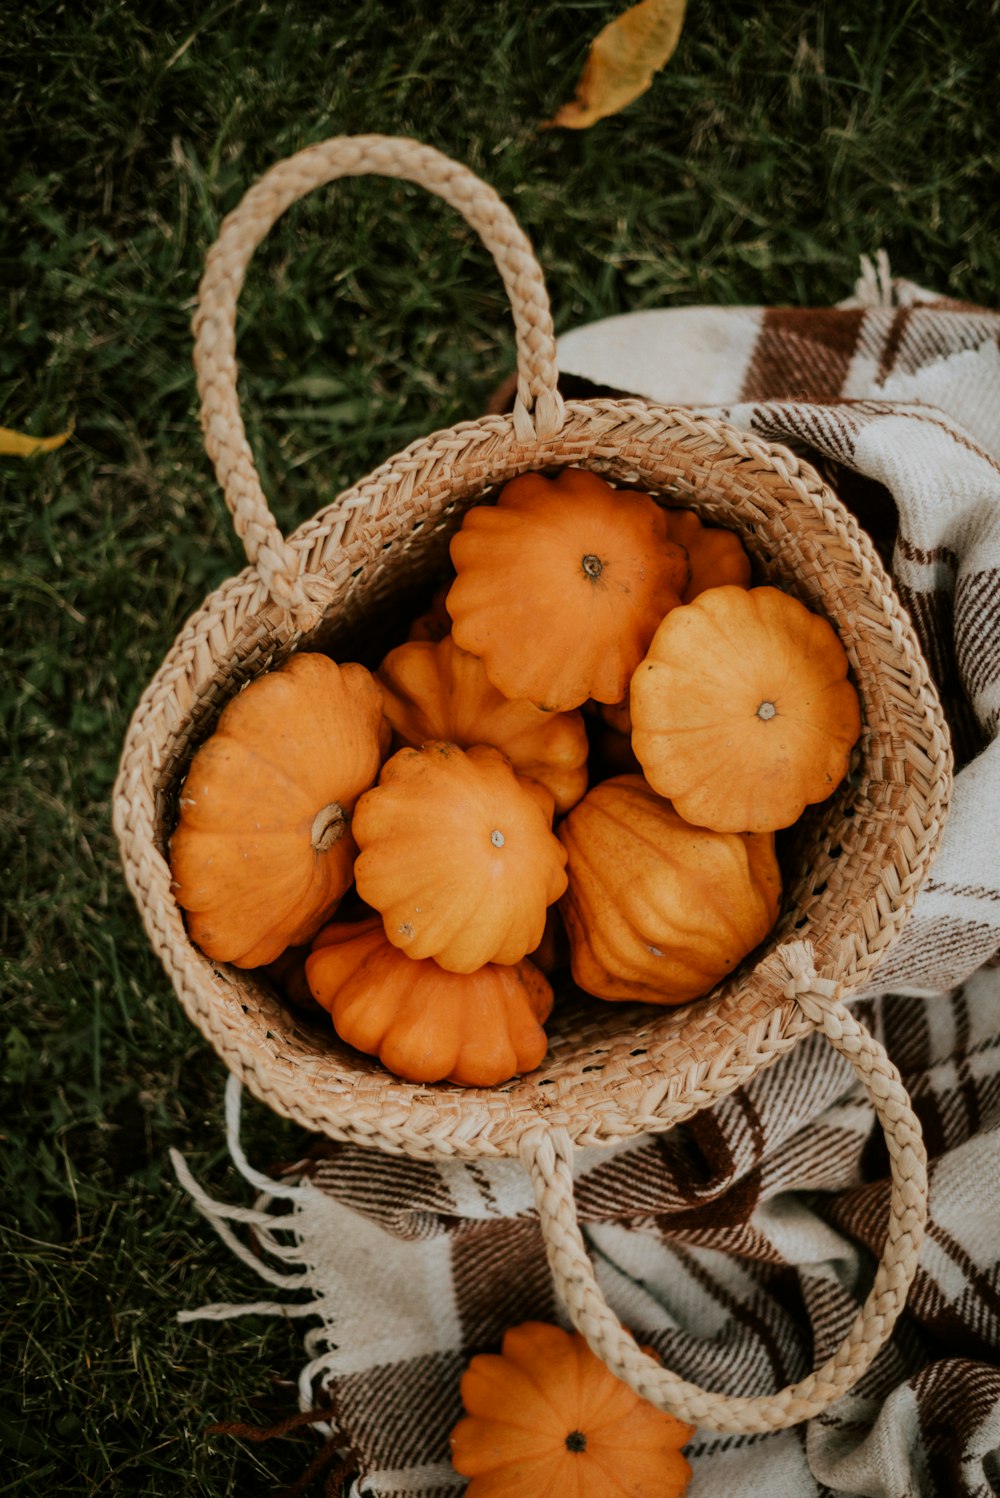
277,1235
873,288
407,1480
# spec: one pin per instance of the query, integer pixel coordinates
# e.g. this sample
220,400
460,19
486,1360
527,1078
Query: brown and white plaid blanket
739,1245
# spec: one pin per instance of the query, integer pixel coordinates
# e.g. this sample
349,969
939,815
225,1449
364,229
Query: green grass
781,143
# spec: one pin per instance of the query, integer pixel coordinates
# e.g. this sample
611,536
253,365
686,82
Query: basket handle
548,1155
538,410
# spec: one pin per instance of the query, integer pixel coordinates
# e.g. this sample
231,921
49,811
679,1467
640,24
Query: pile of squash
587,629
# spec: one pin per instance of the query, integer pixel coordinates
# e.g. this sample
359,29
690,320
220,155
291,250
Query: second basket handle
538,409
548,1154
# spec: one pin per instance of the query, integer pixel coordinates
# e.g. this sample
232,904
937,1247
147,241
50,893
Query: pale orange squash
263,850
545,1416
658,910
561,585
742,713
423,1023
458,855
715,556
437,691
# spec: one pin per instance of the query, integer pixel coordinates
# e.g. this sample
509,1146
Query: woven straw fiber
348,580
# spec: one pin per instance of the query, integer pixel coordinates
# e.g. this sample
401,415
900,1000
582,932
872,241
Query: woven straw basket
347,581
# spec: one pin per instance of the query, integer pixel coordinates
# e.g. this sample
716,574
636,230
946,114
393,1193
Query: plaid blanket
740,1244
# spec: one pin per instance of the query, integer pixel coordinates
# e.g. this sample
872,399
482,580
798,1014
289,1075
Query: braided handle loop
538,411
548,1155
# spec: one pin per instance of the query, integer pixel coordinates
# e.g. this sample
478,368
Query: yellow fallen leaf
622,60
20,445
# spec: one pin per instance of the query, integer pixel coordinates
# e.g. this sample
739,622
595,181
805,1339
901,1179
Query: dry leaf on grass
622,61
20,445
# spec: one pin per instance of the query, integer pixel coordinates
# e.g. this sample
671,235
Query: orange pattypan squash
437,691
715,556
547,1419
423,1023
458,855
742,713
561,585
658,910
263,852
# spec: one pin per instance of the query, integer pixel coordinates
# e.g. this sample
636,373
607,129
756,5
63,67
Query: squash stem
329,826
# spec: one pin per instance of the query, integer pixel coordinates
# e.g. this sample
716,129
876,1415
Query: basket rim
600,433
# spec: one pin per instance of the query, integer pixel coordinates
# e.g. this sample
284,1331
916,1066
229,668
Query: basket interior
850,866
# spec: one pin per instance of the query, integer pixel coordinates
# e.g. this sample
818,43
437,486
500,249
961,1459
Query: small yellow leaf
622,60
20,445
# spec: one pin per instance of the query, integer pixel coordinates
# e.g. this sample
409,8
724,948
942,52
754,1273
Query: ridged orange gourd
715,556
423,1023
742,713
458,855
560,586
545,1416
263,851
658,910
436,691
